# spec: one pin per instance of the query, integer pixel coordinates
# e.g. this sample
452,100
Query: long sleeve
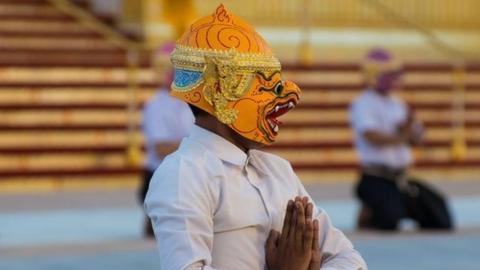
180,204
337,251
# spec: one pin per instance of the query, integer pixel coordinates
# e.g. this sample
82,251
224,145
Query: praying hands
297,246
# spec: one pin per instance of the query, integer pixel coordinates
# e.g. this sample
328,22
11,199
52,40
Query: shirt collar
221,147
375,94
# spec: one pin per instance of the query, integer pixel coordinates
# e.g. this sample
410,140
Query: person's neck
382,93
221,130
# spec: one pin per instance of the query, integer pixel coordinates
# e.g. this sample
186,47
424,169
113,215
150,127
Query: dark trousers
388,204
142,193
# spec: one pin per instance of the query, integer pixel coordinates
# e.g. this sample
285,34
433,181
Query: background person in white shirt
166,121
218,202
384,129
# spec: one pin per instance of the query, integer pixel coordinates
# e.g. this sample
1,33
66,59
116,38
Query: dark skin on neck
211,123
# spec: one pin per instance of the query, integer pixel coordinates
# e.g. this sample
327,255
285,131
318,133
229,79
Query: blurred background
75,74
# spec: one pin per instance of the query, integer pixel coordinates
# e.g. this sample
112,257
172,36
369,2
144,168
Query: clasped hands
297,246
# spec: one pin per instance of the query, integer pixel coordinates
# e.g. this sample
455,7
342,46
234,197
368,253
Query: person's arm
180,204
159,131
381,139
337,251
364,120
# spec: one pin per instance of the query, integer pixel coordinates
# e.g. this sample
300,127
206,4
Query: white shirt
165,120
371,111
210,203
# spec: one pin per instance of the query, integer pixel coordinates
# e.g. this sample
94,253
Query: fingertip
289,204
305,200
315,224
310,207
299,207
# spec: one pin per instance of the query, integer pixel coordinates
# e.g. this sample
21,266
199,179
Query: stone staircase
320,124
64,93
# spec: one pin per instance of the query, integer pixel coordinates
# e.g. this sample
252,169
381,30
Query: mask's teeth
275,128
272,125
277,108
291,105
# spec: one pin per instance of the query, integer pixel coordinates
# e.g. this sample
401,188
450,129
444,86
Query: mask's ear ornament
224,84
217,62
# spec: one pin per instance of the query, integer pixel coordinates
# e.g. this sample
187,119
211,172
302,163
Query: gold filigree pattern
223,84
194,59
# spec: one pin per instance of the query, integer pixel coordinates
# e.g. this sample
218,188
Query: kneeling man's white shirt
212,204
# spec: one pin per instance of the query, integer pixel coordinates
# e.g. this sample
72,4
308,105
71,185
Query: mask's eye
278,88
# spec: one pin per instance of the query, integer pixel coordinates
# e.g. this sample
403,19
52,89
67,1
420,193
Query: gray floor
101,230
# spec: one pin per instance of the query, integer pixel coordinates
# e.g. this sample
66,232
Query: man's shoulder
272,161
398,101
271,157
362,99
161,97
191,157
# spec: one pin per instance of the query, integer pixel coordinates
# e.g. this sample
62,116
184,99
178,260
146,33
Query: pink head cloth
379,55
166,49
382,71
162,59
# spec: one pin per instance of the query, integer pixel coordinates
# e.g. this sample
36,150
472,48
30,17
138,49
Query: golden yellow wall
456,22
431,13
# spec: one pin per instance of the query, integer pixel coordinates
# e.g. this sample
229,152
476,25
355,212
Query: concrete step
29,9
108,147
324,159
26,27
117,135
358,77
96,89
306,171
63,174
53,44
78,95
65,137
69,117
329,118
64,124
92,58
32,17
408,95
343,116
79,77
63,161
349,156
336,134
345,66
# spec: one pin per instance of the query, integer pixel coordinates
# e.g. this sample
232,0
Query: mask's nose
291,87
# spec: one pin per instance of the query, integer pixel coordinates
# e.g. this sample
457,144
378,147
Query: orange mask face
225,68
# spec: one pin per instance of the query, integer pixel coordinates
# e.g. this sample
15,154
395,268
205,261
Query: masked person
384,129
218,202
166,121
